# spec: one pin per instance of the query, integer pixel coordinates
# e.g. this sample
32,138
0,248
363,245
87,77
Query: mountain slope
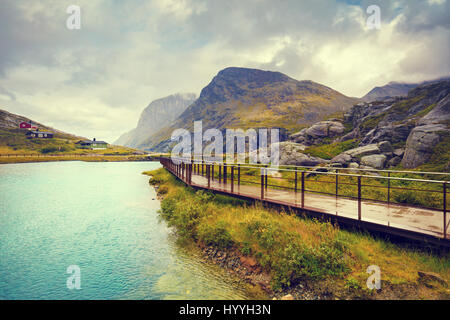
155,116
392,89
395,89
251,98
13,139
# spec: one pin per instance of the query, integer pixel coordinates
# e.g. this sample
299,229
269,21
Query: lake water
101,217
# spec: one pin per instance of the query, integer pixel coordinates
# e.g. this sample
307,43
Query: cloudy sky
95,81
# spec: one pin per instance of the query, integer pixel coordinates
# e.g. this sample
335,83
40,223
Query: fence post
337,182
224,173
208,173
303,189
445,208
262,183
232,179
203,167
212,171
359,198
220,173
295,183
389,188
266,174
239,175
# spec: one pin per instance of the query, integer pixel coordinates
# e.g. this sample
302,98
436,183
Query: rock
291,154
376,161
342,158
363,151
427,277
385,146
315,133
439,114
287,297
389,132
420,144
399,152
336,165
394,162
353,165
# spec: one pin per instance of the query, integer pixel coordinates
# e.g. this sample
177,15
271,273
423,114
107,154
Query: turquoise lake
101,217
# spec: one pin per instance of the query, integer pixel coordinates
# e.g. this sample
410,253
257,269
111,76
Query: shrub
215,234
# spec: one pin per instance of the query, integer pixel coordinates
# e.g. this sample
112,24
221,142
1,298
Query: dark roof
91,142
37,132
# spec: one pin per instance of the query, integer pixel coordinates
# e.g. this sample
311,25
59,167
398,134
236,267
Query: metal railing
304,181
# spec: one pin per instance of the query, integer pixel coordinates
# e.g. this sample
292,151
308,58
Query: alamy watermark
74,281
263,145
374,280
374,20
73,22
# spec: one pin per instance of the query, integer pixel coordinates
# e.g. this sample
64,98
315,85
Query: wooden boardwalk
410,222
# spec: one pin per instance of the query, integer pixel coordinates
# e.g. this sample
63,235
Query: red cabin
27,125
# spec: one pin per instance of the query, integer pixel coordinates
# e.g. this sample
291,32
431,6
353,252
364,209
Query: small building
92,144
27,125
32,134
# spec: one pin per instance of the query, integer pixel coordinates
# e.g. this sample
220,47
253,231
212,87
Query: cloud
96,81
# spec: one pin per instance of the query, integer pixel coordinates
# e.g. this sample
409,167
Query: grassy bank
298,251
87,158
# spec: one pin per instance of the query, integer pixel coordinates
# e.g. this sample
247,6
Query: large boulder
420,144
318,131
376,161
342,158
291,154
364,151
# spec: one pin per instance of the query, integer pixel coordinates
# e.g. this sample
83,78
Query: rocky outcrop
292,154
420,144
376,161
318,131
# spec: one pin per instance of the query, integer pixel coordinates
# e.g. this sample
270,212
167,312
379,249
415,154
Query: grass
15,142
329,151
290,248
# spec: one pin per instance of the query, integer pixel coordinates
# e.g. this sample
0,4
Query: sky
95,81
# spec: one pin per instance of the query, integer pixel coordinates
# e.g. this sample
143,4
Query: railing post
239,175
389,188
266,174
359,198
203,167
224,173
295,183
220,174
303,189
337,183
212,171
444,187
262,183
208,173
232,179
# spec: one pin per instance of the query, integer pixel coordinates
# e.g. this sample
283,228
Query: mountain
392,89
395,89
251,98
155,116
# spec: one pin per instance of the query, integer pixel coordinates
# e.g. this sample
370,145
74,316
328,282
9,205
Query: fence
385,187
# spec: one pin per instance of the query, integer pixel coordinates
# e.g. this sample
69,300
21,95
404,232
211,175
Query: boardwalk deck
399,220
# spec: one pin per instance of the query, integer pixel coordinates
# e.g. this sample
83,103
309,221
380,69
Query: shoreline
247,267
85,158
